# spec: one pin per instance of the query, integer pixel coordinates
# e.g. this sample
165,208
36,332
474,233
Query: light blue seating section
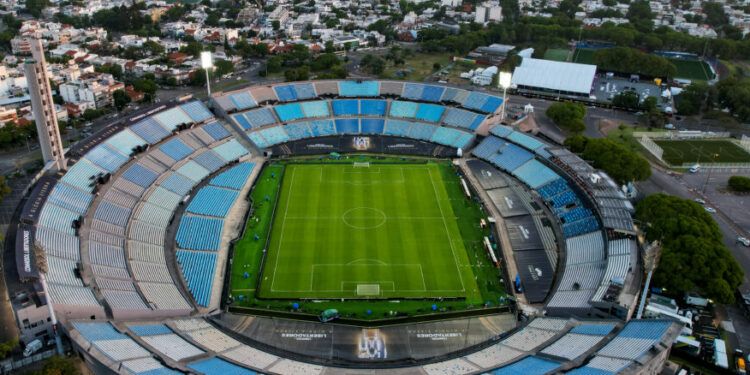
199,233
149,329
421,131
217,366
644,329
230,150
286,93
403,109
318,108
359,89
305,91
509,157
112,213
106,157
579,227
322,128
140,175
492,104
535,174
372,107
216,131
345,107
372,126
461,118
289,112
347,126
529,366
198,268
98,331
242,101
575,214
234,177
210,160
193,171
525,141
488,148
451,95
197,111
298,130
432,93
412,91
397,128
79,175
57,218
274,135
70,198
258,139
125,141
430,112
176,149
593,329
586,370
501,131
150,130
177,183
553,188
160,371
451,137
260,117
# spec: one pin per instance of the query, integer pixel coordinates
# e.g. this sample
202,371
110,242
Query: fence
681,134
652,147
646,139
9,366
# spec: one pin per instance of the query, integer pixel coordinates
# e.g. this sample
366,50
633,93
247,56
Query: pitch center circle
364,218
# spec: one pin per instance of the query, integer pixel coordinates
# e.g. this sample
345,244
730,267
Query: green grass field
583,56
401,224
556,54
381,231
702,151
692,69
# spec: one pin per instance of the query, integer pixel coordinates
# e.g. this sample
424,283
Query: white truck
32,347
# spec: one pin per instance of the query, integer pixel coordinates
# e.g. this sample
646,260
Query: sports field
376,231
692,69
702,151
556,54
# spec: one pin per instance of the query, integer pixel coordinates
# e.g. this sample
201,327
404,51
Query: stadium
211,237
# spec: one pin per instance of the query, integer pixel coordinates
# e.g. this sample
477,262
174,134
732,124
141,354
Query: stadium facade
134,240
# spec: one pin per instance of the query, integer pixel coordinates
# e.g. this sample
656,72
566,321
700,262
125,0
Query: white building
488,12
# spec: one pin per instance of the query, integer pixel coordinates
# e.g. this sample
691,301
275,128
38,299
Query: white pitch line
283,222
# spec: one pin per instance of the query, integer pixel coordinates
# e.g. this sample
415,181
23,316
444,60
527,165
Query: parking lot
605,89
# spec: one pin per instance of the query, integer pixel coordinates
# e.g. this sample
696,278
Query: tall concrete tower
43,107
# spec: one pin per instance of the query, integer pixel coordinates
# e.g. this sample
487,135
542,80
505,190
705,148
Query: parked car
744,241
700,201
710,210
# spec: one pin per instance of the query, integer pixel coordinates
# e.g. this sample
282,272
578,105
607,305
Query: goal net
362,164
368,289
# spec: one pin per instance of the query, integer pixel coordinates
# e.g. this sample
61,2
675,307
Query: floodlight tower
503,81
207,63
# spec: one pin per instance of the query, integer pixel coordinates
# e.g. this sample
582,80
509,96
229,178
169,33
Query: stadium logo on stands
320,145
361,143
535,273
26,251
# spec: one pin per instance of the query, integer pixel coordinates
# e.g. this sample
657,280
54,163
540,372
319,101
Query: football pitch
363,232
702,151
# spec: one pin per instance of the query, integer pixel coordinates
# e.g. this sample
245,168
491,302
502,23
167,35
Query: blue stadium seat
212,201
413,91
241,120
593,329
274,135
305,91
107,157
372,126
347,107
317,108
198,270
529,366
234,177
432,93
98,331
289,112
150,130
430,112
217,366
176,149
150,329
140,175
359,89
347,126
403,109
372,107
298,130
286,93
322,128
644,329
421,131
216,131
199,233
397,128
242,101
579,227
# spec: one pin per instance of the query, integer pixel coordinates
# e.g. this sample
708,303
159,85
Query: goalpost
365,164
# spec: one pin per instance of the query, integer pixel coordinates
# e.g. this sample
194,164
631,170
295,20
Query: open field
692,69
702,151
416,67
342,231
584,56
556,54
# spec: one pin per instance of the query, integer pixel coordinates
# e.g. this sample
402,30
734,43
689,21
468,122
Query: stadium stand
529,366
372,107
217,366
348,107
359,89
460,118
347,126
289,112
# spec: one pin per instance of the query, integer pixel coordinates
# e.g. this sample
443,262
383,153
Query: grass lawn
702,151
417,67
556,54
398,229
380,231
584,56
692,69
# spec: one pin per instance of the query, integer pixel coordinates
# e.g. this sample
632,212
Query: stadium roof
554,75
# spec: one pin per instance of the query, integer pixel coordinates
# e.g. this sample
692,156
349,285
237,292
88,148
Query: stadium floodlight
504,79
207,63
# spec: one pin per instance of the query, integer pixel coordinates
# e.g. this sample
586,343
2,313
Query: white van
695,168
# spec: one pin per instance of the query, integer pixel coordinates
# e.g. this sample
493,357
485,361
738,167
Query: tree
568,116
715,15
4,191
198,78
626,99
121,99
632,61
693,256
297,74
34,7
222,67
691,99
620,163
147,86
276,25
739,183
92,114
373,64
58,366
640,15
734,93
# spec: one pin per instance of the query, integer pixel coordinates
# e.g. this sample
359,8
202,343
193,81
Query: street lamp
503,81
206,64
